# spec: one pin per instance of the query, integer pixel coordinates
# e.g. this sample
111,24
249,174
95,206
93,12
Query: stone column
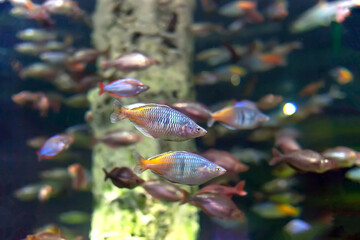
159,29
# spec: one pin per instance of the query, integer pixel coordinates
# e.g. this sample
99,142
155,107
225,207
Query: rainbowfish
180,167
54,146
127,87
129,62
342,75
272,210
238,117
165,191
158,121
36,35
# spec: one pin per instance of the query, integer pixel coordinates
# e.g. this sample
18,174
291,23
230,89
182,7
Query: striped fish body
236,117
181,167
159,121
127,87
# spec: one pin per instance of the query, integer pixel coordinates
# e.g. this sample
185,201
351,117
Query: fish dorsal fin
142,130
161,154
246,104
139,105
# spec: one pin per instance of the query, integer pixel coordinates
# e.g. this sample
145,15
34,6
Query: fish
45,193
119,138
353,174
36,35
297,226
269,101
86,55
41,71
54,146
224,189
204,29
36,100
311,88
28,192
56,174
165,191
216,205
238,117
45,236
286,198
54,58
180,167
77,101
79,176
287,144
236,8
272,210
225,160
36,142
277,10
304,160
123,177
74,217
27,4
322,14
127,87
158,121
343,156
129,62
29,48
198,112
342,75
65,7
278,185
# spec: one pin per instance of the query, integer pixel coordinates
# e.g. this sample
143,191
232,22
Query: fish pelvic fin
240,188
119,112
277,157
139,163
106,174
101,85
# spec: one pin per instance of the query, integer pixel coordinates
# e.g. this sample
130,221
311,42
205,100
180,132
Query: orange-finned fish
158,121
127,87
342,75
180,167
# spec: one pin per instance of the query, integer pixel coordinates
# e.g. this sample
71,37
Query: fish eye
217,169
198,129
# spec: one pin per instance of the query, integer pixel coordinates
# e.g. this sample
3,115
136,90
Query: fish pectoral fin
228,126
142,130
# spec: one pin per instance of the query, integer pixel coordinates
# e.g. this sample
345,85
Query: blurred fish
277,10
180,167
54,146
249,155
238,117
224,189
27,4
36,142
29,48
271,210
56,174
55,58
322,14
297,226
304,160
205,29
198,112
127,87
165,191
37,100
206,78
28,192
216,205
269,101
77,101
286,198
158,121
80,178
86,55
67,7
287,144
236,8
312,88
38,71
353,174
283,171
342,75
36,35
225,160
45,236
278,185
45,193
343,157
35,12
119,138
74,217
123,177
58,46
129,62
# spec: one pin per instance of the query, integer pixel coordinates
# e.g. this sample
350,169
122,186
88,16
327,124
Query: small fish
297,226
36,35
27,4
277,10
283,171
45,236
286,198
158,121
66,7
216,205
272,210
74,217
127,87
36,142
180,167
198,112
342,75
225,160
87,55
45,193
269,101
55,58
311,88
129,62
353,174
236,8
224,189
119,138
165,191
77,101
29,48
37,100
287,144
80,179
56,174
39,71
204,29
304,160
344,157
28,192
123,177
238,117
54,146
278,185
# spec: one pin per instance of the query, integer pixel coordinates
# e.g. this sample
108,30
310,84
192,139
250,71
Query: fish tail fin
38,155
119,112
139,163
106,174
101,85
277,157
185,198
240,188
29,5
211,120
105,65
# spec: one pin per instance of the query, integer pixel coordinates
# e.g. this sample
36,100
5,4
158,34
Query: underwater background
328,201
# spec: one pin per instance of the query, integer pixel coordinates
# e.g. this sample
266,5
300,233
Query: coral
159,29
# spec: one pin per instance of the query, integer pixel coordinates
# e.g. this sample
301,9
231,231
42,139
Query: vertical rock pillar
159,29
